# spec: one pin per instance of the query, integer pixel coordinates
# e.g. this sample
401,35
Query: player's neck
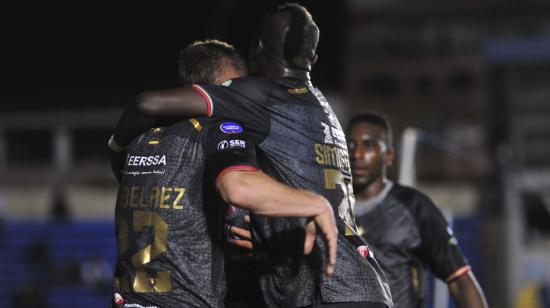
277,70
372,190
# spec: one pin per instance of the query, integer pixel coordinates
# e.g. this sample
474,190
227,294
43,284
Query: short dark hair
376,119
201,61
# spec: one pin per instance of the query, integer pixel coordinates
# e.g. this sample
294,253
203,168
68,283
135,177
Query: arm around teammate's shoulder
466,292
185,101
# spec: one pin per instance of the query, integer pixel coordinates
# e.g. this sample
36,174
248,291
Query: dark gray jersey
409,234
301,142
167,256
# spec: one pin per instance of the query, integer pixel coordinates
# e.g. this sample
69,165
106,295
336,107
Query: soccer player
406,229
301,143
166,229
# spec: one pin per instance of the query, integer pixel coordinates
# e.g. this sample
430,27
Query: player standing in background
303,145
166,231
406,229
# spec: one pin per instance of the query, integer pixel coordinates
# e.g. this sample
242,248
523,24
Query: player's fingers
332,241
242,244
241,232
328,227
310,238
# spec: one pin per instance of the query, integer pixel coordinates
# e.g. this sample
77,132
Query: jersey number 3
145,281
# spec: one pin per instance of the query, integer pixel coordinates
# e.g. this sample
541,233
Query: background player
303,145
406,229
165,230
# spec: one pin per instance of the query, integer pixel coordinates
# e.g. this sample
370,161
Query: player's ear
256,49
315,58
390,156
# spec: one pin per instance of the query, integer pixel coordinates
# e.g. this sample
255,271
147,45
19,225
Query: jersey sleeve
229,148
439,245
242,99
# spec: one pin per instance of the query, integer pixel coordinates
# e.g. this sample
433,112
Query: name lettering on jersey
328,155
333,156
334,135
152,197
326,130
138,161
224,144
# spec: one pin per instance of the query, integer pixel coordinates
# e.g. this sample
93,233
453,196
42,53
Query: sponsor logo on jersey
231,128
155,160
224,144
363,250
118,299
227,83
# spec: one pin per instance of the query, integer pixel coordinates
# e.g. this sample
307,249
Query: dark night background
101,55
468,78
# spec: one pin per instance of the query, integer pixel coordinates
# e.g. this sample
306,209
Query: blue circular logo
231,128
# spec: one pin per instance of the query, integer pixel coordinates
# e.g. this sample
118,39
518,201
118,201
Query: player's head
286,38
370,147
210,61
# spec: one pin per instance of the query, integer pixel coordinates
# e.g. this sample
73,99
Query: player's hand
326,224
245,236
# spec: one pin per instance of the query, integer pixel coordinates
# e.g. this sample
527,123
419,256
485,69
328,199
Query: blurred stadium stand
66,264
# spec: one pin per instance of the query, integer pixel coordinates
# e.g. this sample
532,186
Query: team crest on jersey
227,83
231,128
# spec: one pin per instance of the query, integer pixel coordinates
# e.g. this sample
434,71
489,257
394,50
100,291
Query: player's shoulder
417,202
250,83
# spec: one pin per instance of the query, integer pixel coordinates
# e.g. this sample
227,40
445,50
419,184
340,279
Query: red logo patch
363,250
118,299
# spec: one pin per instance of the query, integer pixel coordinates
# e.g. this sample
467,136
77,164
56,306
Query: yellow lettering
165,197
319,153
134,190
181,192
124,196
333,177
142,199
154,196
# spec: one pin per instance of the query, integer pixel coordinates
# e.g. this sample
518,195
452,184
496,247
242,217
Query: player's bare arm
466,292
149,107
185,101
257,192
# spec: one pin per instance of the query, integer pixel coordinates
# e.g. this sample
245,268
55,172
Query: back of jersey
303,121
166,256
302,144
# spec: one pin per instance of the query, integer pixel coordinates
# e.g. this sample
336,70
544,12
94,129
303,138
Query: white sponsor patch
146,160
138,306
224,144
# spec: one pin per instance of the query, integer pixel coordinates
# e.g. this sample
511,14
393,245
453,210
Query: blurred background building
470,78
